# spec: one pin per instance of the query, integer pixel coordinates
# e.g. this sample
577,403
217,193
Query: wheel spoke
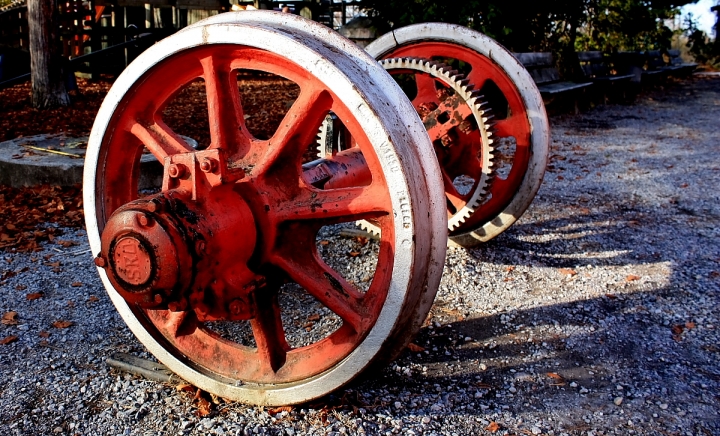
268,331
297,130
323,283
176,324
351,203
510,126
425,89
225,114
452,193
159,139
477,77
471,165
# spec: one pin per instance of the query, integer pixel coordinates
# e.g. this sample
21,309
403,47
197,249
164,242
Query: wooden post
48,87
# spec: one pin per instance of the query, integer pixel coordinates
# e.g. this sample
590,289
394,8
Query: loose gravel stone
597,313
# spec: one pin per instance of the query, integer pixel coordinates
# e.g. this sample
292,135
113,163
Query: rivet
99,261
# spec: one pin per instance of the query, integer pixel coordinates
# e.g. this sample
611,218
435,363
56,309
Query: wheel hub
170,252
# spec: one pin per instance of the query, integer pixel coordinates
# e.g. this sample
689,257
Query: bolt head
202,309
99,261
208,165
176,171
178,306
235,307
143,220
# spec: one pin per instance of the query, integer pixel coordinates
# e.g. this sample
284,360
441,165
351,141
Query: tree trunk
716,44
48,87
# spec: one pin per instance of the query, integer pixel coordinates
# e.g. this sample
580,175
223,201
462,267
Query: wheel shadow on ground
570,355
550,353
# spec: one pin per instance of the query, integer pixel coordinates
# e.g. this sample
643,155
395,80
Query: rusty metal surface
245,217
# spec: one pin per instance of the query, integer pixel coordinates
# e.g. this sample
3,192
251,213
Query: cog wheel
521,128
332,137
459,123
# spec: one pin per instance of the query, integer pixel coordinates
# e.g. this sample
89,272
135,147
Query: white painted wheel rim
416,267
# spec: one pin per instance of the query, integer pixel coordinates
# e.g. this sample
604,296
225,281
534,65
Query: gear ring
482,116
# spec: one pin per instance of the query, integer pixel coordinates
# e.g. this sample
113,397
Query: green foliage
612,25
560,26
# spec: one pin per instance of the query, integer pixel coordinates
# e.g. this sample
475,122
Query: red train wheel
235,221
520,122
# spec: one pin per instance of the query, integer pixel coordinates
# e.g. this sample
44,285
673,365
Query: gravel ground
596,314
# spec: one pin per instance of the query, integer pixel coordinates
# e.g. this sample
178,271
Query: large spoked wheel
521,131
236,222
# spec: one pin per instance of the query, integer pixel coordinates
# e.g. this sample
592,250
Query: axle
174,250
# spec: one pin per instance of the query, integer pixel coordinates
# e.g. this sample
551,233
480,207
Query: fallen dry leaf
8,340
314,317
354,253
10,318
76,284
203,407
20,287
415,348
362,240
632,278
60,324
44,334
689,325
324,242
493,427
677,329
185,387
34,296
93,299
611,296
510,268
559,380
275,410
568,271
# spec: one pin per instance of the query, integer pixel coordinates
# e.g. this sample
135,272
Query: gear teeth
485,124
369,227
